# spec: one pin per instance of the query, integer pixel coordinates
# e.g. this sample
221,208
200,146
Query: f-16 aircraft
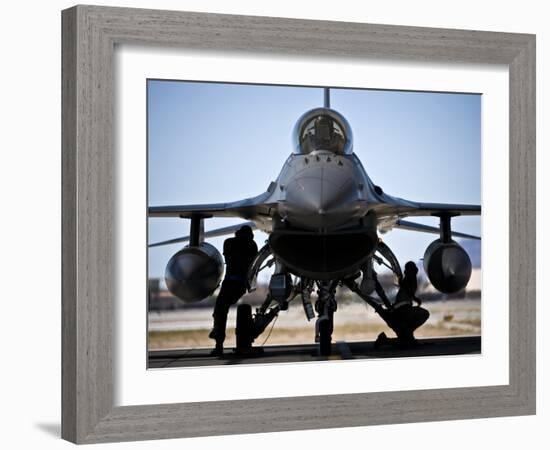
324,217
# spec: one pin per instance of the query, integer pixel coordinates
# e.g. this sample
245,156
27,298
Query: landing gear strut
244,329
325,307
249,326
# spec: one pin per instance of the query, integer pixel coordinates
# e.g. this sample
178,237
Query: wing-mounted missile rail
446,263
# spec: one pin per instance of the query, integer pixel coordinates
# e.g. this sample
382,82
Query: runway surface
303,353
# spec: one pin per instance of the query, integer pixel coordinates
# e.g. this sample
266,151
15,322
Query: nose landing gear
325,306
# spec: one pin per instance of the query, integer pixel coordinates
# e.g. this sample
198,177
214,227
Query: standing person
239,252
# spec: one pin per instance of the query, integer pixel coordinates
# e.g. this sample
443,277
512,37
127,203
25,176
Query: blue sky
211,143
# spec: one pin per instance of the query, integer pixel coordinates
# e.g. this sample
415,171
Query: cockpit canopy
322,129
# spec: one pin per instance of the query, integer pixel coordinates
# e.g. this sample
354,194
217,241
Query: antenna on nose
327,97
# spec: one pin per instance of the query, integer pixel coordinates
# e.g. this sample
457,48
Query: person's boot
407,342
217,336
218,349
381,340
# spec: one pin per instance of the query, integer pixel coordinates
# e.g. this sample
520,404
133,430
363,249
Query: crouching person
403,317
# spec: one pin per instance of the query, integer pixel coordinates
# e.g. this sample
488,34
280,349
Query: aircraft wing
249,208
208,234
390,212
412,226
388,207
429,209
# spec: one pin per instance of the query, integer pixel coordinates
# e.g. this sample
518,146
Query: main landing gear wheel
244,329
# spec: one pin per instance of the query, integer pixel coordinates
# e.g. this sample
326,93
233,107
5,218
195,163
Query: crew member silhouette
403,317
239,252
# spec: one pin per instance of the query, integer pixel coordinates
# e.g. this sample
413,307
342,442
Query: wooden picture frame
90,34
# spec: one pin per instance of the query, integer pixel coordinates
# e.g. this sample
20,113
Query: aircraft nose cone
320,197
314,194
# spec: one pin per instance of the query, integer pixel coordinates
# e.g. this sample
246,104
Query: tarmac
341,350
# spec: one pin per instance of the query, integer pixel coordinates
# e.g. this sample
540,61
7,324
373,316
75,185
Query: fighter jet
324,217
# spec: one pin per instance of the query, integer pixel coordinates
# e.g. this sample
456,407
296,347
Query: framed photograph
265,229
